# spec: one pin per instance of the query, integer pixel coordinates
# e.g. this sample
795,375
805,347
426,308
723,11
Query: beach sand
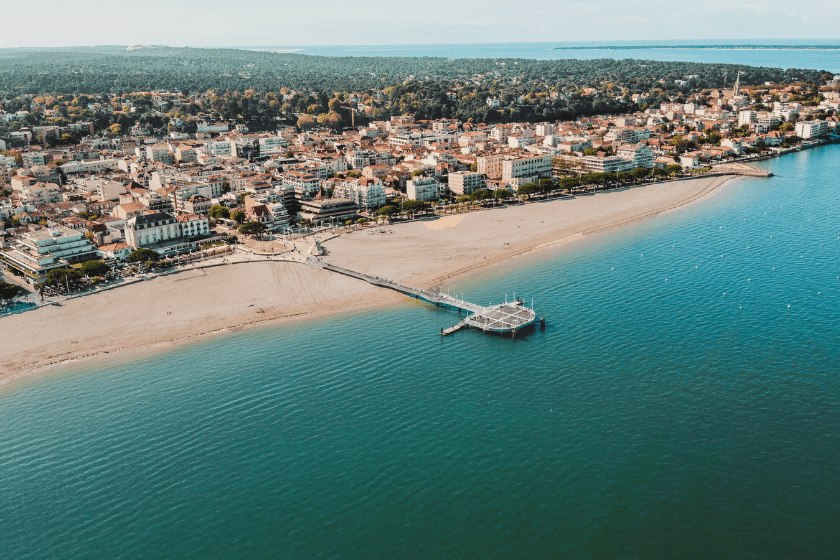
180,308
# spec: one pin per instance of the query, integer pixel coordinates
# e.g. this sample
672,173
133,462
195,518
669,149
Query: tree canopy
7,290
252,228
143,255
93,268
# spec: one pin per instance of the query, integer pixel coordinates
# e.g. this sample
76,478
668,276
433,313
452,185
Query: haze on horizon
379,22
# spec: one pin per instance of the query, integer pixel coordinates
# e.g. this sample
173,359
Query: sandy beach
192,305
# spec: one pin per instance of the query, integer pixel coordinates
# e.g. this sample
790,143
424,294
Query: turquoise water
651,419
822,54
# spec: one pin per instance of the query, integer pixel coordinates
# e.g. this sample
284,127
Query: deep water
683,402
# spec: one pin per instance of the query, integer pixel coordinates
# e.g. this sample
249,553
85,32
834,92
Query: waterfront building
423,188
526,170
365,193
167,235
322,209
811,129
613,164
463,183
37,252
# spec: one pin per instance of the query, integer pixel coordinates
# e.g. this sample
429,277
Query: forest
114,69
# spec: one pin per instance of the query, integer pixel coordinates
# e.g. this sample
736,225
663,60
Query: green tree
93,268
388,211
305,122
143,255
7,290
527,190
63,276
412,207
252,228
219,211
238,216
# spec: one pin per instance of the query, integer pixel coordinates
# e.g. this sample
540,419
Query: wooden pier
504,318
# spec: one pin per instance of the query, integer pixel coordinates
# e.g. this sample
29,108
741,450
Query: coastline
193,305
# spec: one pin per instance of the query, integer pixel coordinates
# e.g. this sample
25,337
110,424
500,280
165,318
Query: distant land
123,68
709,46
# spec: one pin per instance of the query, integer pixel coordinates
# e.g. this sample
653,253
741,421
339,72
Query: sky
380,22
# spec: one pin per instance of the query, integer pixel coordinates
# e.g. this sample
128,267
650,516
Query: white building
204,126
640,155
422,188
747,117
159,152
38,252
811,129
526,170
463,183
150,229
218,148
365,193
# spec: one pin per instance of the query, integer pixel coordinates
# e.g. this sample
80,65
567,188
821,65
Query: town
82,205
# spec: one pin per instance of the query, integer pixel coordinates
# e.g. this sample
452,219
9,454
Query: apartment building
490,166
38,252
811,129
422,188
365,193
463,183
526,170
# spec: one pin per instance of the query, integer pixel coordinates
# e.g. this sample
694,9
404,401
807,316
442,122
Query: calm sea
821,54
682,403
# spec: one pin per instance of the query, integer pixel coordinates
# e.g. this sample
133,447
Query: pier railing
430,296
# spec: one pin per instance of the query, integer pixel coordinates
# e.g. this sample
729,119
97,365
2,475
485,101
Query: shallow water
655,417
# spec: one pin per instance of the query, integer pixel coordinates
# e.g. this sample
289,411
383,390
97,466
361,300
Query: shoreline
422,253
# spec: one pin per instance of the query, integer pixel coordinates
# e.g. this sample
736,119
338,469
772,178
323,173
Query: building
422,188
36,253
463,183
305,184
218,148
31,159
167,235
747,117
811,129
526,170
204,126
197,204
319,210
269,210
105,189
151,229
193,225
640,155
116,251
490,166
185,154
614,164
365,193
272,145
159,152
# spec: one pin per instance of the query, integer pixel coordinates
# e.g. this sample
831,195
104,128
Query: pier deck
503,318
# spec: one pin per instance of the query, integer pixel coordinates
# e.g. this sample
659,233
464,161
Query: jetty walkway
504,318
